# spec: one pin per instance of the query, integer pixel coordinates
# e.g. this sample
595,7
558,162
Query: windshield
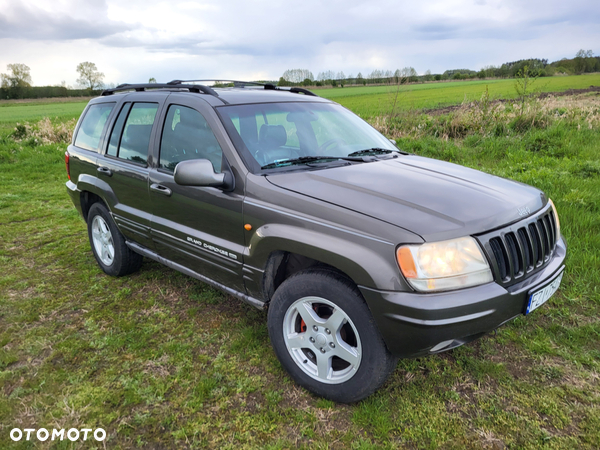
273,133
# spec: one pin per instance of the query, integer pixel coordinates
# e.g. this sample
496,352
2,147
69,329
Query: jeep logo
524,211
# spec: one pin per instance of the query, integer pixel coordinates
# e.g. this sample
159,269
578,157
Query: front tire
325,337
108,244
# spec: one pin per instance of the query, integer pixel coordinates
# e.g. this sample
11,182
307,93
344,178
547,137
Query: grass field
373,101
10,113
162,361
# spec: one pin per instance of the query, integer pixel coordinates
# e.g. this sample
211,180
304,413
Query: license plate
541,296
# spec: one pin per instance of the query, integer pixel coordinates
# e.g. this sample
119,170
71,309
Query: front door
200,228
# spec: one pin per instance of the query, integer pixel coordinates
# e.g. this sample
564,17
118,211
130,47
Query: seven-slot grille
521,248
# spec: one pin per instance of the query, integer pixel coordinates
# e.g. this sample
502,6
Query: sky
133,40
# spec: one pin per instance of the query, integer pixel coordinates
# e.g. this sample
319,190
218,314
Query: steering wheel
331,142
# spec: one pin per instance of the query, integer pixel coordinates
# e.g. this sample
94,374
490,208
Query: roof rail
175,84
236,83
301,90
241,84
185,84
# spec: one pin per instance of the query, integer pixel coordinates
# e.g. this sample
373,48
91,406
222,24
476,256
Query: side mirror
393,141
200,172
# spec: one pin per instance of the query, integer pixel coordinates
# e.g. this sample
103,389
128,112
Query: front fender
369,262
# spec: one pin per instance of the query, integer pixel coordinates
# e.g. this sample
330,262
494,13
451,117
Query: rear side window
94,121
130,137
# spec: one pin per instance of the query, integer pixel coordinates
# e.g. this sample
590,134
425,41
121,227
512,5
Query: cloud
166,39
31,22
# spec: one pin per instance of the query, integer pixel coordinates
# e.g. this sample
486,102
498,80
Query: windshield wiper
309,159
373,151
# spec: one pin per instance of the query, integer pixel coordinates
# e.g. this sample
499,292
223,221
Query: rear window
94,121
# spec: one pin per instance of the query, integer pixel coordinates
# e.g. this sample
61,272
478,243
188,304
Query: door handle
161,189
105,171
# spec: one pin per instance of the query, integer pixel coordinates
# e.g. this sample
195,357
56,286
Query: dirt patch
541,95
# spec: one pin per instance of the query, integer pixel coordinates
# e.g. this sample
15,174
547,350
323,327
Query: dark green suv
361,253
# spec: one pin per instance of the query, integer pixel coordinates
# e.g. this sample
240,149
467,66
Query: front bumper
418,324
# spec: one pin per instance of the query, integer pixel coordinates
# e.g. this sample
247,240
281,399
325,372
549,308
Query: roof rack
241,84
185,84
175,84
236,83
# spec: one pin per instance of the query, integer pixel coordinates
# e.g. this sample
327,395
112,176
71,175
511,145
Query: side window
115,136
90,131
130,136
186,135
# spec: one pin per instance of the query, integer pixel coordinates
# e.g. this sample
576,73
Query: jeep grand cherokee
362,253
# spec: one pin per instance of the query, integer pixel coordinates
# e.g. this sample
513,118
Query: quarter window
90,131
187,135
130,137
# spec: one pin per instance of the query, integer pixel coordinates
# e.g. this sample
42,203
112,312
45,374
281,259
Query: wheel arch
283,264
94,190
282,250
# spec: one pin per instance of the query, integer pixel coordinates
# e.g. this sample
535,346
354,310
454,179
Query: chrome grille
522,248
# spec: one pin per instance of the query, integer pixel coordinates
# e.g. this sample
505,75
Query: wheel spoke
96,234
347,353
323,366
110,252
308,314
336,321
296,340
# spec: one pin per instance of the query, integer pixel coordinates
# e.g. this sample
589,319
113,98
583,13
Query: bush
44,132
487,118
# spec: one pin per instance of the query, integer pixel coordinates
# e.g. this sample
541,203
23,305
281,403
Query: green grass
372,101
24,112
160,360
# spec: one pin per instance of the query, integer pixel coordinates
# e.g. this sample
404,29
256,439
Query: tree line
583,62
17,83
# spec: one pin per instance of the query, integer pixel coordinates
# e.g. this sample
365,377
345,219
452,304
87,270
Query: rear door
125,166
200,228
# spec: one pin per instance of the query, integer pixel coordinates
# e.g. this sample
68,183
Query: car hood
434,199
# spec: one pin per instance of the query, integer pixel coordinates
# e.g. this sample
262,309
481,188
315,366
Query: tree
16,80
19,76
524,79
152,80
584,61
297,76
89,75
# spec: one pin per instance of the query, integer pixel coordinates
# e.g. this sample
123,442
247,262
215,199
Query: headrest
272,136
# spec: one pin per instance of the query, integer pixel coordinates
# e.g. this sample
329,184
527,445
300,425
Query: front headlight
441,266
